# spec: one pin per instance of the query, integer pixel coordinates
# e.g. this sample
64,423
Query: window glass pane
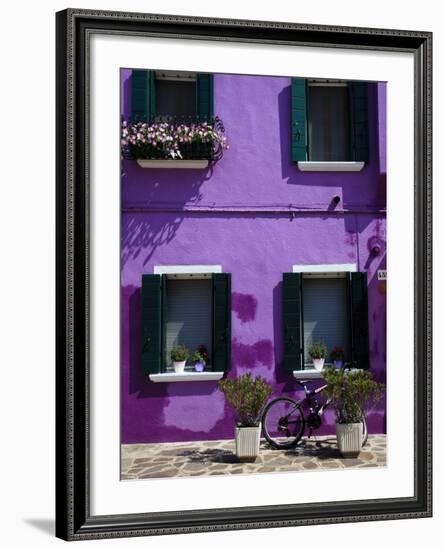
328,120
176,98
189,305
325,314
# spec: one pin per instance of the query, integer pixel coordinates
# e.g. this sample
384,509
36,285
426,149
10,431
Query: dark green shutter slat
152,96
205,96
143,95
293,321
358,301
358,99
164,360
299,119
221,344
151,324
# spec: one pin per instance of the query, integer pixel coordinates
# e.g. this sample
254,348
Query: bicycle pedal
310,433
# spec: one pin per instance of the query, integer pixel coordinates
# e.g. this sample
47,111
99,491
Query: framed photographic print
231,196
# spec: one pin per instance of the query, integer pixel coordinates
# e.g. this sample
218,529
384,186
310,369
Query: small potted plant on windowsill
351,394
317,352
337,357
200,358
247,396
179,356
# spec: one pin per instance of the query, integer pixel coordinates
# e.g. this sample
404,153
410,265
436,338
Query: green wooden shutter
221,327
205,96
151,344
143,100
164,359
293,321
299,111
358,99
358,303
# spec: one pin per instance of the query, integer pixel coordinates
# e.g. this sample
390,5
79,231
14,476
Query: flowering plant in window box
173,139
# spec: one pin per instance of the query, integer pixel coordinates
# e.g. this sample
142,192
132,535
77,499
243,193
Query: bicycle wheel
364,432
283,423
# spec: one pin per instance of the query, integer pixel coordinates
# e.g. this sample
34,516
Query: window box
172,121
184,164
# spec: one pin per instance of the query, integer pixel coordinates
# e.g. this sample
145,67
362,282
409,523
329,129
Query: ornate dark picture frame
73,517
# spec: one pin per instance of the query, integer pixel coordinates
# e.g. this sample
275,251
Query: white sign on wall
382,274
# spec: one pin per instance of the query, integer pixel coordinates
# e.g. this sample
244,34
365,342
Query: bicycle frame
310,400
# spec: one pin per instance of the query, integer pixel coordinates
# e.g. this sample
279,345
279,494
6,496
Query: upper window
329,121
189,310
162,95
176,95
325,307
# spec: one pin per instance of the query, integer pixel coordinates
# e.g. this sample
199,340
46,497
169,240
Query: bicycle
284,422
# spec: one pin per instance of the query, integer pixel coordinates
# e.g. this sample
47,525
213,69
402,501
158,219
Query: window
328,307
189,315
325,314
157,95
176,95
189,309
329,121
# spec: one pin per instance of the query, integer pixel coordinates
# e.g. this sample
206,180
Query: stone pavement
209,458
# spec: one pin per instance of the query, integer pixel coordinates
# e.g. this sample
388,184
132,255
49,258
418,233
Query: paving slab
205,458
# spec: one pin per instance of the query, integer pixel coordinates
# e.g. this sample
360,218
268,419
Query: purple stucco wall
255,214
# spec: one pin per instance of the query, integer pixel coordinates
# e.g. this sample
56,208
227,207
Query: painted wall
255,214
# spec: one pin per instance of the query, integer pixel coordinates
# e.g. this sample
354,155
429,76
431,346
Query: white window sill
314,374
308,374
173,163
318,166
185,376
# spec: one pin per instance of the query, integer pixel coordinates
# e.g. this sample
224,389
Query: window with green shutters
159,95
333,310
189,311
329,120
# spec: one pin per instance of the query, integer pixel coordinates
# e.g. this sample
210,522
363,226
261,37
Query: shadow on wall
341,183
163,192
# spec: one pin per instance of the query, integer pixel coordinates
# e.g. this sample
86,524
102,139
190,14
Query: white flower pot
319,363
349,439
247,443
179,366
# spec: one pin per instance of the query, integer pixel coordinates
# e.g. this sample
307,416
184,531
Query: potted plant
179,356
247,396
317,352
200,358
337,356
173,140
351,394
